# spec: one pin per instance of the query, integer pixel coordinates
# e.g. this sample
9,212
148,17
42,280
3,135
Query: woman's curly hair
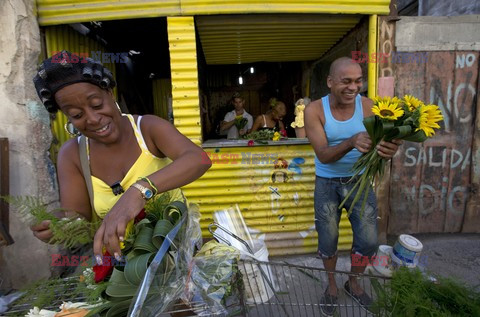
65,69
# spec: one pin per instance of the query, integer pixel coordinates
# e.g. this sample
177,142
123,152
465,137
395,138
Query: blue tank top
337,132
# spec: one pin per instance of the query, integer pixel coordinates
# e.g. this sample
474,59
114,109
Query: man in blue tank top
334,126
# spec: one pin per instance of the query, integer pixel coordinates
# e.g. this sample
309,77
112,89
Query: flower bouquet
263,136
406,119
240,122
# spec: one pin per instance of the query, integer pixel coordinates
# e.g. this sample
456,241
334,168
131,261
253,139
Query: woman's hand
388,149
112,230
42,231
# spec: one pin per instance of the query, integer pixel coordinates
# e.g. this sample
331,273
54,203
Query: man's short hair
339,62
237,95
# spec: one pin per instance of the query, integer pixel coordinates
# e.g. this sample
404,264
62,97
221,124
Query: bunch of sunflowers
240,122
408,119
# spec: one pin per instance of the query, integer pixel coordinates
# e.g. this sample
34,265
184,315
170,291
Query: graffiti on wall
433,178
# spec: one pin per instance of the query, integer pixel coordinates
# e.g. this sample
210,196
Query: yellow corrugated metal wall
51,12
183,64
57,39
273,187
162,93
281,210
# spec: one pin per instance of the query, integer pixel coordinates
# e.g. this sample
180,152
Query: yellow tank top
146,164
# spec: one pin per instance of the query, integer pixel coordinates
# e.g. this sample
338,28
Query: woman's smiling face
91,110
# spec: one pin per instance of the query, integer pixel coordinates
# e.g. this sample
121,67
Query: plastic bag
232,230
232,220
164,282
215,284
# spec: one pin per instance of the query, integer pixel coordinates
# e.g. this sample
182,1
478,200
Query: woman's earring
71,130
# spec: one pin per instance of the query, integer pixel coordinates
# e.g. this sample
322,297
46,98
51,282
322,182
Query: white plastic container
406,251
384,266
257,286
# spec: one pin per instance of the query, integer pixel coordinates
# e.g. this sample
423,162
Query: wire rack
270,289
273,289
64,292
296,290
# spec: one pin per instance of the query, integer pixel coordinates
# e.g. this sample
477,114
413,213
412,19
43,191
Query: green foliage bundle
68,232
261,136
266,134
411,294
47,294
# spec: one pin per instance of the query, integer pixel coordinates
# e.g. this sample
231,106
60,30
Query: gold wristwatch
147,193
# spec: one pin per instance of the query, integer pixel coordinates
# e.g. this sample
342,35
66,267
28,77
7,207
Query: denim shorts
329,193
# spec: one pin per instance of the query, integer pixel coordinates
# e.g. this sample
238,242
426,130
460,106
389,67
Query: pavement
451,255
446,254
304,280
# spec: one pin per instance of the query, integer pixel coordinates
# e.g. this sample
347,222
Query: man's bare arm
316,134
225,125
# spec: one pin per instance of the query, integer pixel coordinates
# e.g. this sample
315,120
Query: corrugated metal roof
51,12
238,39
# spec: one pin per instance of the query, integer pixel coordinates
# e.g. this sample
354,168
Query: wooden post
386,84
5,238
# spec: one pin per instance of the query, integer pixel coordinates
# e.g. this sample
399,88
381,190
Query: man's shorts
329,193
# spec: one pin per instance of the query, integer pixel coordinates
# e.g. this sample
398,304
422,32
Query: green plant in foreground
68,232
411,294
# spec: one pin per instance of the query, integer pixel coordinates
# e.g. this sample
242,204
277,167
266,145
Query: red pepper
141,215
104,270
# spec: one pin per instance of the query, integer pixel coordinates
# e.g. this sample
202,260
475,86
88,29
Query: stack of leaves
406,119
412,294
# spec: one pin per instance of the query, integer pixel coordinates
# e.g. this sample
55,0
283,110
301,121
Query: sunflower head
388,110
386,99
411,102
428,116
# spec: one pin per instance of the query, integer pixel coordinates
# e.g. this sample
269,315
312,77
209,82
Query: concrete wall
458,33
25,122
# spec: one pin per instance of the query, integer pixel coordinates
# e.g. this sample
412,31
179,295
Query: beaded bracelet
145,179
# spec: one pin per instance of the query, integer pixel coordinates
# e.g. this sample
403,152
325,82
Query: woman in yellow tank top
130,157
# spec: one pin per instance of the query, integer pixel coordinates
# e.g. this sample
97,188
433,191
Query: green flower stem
371,164
348,194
